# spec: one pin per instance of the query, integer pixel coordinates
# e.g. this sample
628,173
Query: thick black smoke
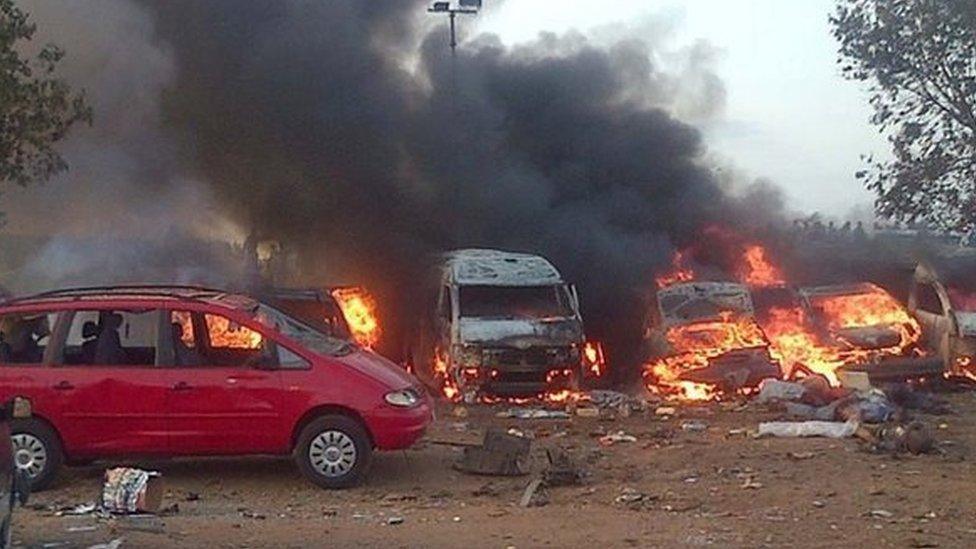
342,129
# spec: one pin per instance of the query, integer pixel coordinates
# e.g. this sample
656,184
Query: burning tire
37,450
334,452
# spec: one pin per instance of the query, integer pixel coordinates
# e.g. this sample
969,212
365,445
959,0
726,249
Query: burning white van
498,324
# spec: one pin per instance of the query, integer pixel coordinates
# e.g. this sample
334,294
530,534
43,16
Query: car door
112,394
224,391
25,360
931,310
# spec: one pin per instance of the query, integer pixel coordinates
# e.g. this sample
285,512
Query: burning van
943,298
702,340
498,324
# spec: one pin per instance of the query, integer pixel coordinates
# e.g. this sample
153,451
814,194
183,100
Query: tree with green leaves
919,59
36,108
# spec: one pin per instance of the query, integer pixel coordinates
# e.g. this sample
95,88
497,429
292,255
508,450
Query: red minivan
183,371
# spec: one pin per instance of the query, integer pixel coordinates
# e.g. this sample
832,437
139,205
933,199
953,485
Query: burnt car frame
699,306
948,321
854,342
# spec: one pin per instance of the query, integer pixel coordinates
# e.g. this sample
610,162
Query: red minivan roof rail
193,293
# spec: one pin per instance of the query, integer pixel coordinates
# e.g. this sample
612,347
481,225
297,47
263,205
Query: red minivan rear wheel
334,451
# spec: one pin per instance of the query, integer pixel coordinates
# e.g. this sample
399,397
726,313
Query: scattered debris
533,413
486,489
830,429
562,470
610,439
114,544
751,484
500,454
774,390
588,411
80,509
633,499
129,490
534,494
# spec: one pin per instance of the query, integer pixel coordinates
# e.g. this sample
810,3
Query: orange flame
227,334
594,361
679,272
360,310
756,269
440,368
795,343
695,345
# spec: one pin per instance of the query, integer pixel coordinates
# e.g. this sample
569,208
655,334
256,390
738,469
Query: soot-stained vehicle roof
485,267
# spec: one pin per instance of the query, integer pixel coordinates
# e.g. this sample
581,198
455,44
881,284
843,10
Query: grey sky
789,115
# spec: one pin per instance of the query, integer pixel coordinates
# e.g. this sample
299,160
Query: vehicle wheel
334,451
37,450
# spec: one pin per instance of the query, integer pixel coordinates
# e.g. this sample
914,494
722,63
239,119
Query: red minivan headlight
404,398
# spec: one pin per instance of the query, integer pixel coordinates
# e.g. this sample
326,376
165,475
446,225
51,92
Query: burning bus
499,324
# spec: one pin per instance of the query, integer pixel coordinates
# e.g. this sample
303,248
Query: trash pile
128,490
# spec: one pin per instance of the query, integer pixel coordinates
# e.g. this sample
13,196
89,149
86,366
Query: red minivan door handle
64,386
181,386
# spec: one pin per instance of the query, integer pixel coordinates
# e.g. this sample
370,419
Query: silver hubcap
29,453
332,453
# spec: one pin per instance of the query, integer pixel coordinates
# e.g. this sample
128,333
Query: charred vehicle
856,327
702,339
869,331
498,324
943,298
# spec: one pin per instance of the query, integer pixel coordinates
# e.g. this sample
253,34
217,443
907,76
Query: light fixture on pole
469,7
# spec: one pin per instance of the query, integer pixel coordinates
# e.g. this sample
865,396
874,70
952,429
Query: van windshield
533,302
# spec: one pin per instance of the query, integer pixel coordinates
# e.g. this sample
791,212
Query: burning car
498,324
943,300
828,330
702,340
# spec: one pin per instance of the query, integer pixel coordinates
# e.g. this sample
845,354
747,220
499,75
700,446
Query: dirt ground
718,487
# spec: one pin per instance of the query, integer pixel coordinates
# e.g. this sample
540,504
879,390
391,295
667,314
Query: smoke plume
345,130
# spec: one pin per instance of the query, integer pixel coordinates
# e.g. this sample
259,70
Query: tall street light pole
468,7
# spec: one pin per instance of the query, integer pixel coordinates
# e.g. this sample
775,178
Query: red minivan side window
106,337
209,339
24,337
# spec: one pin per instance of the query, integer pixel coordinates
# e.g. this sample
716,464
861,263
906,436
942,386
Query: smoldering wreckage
682,332
502,334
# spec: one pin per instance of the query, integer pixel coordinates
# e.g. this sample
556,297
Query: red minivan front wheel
37,451
334,451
